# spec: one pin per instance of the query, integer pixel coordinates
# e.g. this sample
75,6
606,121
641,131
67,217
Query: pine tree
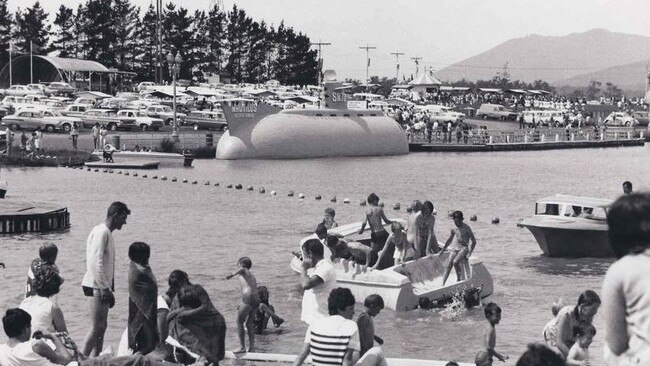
303,61
32,28
6,19
64,41
237,41
125,16
200,42
216,34
80,38
147,45
99,31
178,35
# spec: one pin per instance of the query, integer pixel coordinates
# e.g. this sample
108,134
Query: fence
482,137
153,140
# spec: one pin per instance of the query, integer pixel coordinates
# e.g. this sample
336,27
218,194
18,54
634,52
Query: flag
417,62
368,61
11,47
397,66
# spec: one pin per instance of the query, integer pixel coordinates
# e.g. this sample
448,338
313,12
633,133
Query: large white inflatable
261,131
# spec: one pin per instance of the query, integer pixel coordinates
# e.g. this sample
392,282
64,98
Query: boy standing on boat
374,218
425,238
459,257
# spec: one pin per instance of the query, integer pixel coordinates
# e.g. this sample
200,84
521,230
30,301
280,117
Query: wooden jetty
124,165
286,359
27,217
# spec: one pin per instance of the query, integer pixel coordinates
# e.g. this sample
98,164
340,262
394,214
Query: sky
441,32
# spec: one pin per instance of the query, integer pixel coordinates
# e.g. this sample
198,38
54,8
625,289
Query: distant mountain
627,77
552,58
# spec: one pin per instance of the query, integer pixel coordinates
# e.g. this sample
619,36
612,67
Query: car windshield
142,114
167,109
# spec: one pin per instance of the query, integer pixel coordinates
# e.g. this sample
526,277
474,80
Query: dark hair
332,241
263,292
417,205
321,229
491,309
374,300
245,262
584,328
117,207
139,252
177,279
47,281
451,363
428,205
339,299
629,224
48,252
314,246
588,297
627,183
15,321
188,295
373,198
330,211
540,355
457,215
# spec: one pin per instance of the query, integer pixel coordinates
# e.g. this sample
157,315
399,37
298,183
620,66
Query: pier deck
28,217
125,165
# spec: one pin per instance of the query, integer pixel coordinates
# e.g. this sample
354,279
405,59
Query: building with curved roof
45,69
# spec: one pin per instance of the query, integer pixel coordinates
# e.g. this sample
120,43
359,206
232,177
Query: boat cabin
573,206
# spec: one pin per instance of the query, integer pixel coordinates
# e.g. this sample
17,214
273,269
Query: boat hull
570,242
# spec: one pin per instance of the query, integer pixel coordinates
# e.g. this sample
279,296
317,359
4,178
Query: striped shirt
330,338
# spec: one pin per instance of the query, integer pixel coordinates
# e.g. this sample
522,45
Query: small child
47,256
584,333
398,238
374,217
367,337
484,357
250,303
328,220
265,312
462,250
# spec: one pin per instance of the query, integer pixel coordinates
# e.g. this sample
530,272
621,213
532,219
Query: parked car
60,88
87,101
32,119
495,111
141,119
75,110
620,119
165,113
112,103
209,120
36,88
145,84
642,117
107,118
18,90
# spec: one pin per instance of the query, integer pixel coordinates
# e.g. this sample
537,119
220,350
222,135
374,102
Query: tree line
119,35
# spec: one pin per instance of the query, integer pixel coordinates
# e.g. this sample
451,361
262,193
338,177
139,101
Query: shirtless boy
250,300
484,357
374,217
426,242
459,257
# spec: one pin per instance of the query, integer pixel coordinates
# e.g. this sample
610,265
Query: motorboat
169,159
344,127
402,286
570,226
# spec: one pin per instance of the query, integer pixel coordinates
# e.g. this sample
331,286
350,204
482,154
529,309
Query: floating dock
27,217
519,146
124,165
284,358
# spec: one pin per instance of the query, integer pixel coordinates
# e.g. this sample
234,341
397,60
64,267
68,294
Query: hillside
627,77
553,58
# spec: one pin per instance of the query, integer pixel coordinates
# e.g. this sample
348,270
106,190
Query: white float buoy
301,195
154,177
262,190
163,177
238,186
397,206
290,194
273,193
207,183
184,180
496,220
318,197
127,173
473,218
135,174
362,203
346,200
216,184
110,172
229,186
119,172
333,199
174,179
195,182
144,175
249,188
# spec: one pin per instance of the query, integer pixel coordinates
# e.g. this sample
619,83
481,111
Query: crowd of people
182,326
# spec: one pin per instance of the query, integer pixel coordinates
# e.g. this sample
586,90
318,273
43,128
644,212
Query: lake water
204,229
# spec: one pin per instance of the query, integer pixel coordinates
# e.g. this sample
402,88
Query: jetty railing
153,140
483,137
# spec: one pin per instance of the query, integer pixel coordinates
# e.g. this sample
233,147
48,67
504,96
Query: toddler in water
484,357
328,220
265,312
584,333
250,303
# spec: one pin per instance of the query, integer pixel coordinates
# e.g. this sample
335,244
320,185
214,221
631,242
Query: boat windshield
586,212
552,209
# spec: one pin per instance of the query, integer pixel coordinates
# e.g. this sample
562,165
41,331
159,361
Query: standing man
38,137
10,140
98,282
95,133
627,187
317,278
74,134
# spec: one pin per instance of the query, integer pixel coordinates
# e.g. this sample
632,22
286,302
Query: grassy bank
48,157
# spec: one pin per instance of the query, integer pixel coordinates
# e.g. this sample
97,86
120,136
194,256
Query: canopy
517,91
490,90
577,200
425,80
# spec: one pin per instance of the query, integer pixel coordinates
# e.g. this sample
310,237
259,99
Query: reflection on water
205,229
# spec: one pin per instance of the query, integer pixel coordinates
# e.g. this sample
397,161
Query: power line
367,48
320,59
417,64
397,54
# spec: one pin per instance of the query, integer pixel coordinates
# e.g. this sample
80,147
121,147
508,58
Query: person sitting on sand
459,257
265,312
374,217
250,302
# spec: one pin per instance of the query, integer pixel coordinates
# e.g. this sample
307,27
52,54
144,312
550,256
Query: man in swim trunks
250,300
459,257
425,238
374,218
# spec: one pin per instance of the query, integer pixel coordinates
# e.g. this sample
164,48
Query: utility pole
367,48
417,65
397,54
319,44
159,72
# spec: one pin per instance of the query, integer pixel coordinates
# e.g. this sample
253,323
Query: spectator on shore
74,134
627,187
95,134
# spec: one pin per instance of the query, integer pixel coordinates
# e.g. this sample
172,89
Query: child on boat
265,312
484,357
584,333
459,257
46,257
250,303
374,218
328,220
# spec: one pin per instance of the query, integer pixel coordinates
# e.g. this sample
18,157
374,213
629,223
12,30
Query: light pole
174,67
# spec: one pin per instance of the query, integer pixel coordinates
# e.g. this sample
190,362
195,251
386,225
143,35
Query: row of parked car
55,88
